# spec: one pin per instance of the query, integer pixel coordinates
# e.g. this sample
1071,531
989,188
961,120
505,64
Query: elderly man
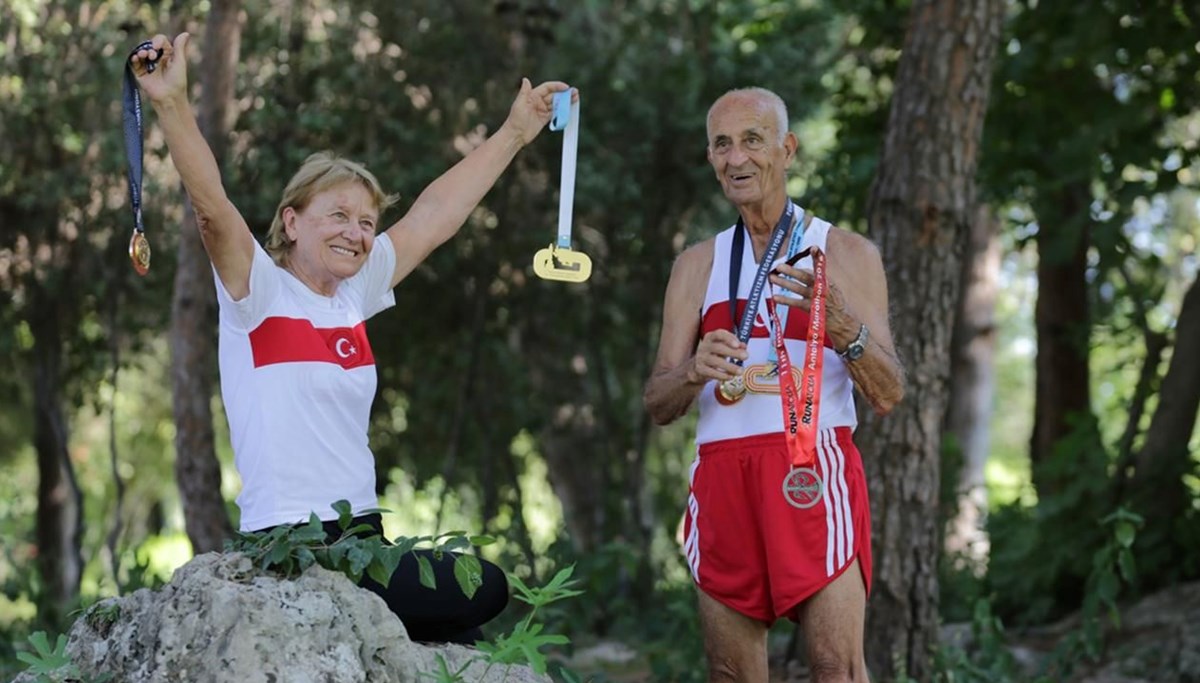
773,337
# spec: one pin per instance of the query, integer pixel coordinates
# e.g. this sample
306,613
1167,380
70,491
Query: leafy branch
358,550
525,642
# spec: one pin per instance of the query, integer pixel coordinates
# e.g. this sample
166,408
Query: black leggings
443,614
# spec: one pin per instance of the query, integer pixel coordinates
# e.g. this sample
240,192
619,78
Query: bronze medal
139,252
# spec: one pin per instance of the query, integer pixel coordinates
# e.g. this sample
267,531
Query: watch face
855,351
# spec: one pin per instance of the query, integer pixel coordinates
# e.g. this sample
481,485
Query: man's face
747,150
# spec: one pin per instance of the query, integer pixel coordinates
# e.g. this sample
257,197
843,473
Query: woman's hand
169,78
532,108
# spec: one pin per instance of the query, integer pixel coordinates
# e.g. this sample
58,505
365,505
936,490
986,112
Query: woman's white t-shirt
298,378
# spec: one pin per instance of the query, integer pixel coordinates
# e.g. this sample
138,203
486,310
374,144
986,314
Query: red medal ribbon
800,415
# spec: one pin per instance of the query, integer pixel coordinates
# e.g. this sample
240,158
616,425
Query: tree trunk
60,502
920,213
1062,387
1158,487
192,316
972,382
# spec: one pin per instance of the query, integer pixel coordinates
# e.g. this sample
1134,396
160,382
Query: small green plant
1112,564
524,644
989,660
358,550
51,664
102,615
526,641
444,674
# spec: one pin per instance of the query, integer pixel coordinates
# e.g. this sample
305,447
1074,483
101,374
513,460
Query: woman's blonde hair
320,172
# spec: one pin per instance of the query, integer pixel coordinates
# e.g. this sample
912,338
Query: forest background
1029,169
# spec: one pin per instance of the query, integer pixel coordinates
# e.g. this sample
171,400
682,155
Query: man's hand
712,357
799,283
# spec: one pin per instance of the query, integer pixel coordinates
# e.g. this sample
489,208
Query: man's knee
831,668
728,668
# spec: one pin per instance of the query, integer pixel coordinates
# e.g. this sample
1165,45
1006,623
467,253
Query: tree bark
1062,318
193,318
1158,486
972,384
60,502
920,212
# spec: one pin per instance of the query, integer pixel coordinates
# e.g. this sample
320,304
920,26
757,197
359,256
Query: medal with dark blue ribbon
732,390
139,246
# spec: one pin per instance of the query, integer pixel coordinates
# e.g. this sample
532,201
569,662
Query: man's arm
682,368
857,295
443,207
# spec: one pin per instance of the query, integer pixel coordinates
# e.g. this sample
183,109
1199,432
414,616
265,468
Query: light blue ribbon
566,116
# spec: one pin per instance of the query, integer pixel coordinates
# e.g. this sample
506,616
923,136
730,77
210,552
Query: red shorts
749,547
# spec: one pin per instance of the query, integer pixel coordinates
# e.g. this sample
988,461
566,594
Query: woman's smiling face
332,234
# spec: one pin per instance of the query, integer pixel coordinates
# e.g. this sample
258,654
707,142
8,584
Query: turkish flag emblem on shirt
292,340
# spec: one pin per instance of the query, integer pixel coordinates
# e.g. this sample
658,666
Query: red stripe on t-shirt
796,327
293,340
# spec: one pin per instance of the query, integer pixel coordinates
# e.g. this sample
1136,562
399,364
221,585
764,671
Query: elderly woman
297,372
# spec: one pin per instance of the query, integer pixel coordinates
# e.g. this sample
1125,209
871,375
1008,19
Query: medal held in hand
139,246
803,486
731,391
558,261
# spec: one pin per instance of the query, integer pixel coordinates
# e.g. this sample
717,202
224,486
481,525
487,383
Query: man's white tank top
760,411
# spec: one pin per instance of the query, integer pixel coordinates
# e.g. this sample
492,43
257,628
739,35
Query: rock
1156,642
220,620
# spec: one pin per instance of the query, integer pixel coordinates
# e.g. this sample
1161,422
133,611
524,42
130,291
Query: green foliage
989,660
358,550
51,664
45,659
1062,532
525,643
1113,566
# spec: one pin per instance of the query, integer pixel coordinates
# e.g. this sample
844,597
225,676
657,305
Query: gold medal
562,264
731,390
139,252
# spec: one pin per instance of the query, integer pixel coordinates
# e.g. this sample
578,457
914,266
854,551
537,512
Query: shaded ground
1158,642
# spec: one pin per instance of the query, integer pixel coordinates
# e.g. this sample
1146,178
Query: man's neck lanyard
732,390
139,247
760,278
803,487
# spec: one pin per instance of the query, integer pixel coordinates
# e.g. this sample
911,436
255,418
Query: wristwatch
856,348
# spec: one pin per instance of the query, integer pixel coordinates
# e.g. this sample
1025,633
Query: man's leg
833,629
735,644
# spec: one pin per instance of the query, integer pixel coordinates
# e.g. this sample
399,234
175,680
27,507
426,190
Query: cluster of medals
803,486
